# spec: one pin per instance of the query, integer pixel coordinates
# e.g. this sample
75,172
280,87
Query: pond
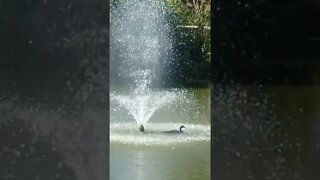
155,155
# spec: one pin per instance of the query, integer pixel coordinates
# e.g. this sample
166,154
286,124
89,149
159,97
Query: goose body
175,131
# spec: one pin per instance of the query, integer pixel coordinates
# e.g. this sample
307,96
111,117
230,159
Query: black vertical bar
54,98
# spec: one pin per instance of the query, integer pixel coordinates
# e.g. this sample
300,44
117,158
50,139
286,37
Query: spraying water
140,46
139,41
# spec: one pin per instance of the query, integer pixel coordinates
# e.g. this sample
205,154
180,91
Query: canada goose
175,131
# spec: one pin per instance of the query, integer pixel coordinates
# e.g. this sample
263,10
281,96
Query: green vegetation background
192,29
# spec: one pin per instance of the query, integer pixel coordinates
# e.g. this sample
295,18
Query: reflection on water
183,161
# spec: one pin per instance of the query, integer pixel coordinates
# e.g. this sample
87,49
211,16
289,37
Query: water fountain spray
139,35
140,53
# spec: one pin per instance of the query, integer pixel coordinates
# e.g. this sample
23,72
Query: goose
175,131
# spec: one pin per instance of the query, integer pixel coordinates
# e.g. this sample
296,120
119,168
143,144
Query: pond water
182,161
156,155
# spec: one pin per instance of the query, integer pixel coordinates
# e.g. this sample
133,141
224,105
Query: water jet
140,50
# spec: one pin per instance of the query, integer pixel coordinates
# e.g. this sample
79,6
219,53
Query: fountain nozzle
141,128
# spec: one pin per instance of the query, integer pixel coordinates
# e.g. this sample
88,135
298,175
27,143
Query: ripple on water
126,133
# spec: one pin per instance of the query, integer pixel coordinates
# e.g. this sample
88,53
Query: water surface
155,155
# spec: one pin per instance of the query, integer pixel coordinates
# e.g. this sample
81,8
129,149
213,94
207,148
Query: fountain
142,111
140,46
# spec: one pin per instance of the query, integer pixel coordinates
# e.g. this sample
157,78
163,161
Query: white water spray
140,45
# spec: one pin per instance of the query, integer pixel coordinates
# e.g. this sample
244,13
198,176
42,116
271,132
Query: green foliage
193,13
